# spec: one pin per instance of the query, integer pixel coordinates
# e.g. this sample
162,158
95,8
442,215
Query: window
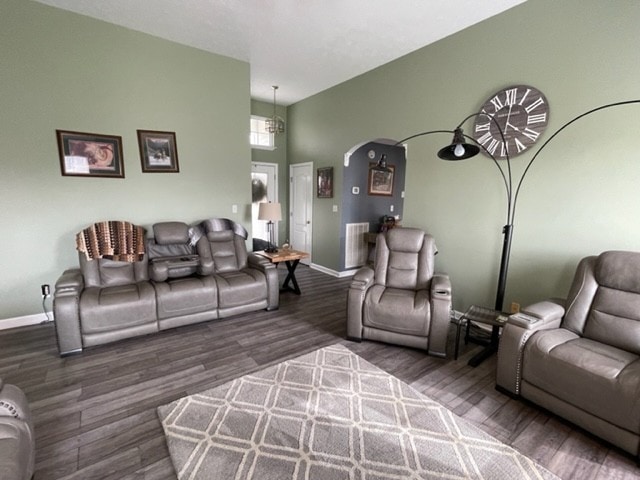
259,137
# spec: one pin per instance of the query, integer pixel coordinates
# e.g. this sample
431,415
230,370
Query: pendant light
275,124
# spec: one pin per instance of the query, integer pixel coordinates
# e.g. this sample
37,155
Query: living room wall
65,71
581,195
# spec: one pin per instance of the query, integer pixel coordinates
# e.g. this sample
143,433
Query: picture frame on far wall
158,151
90,154
325,182
381,183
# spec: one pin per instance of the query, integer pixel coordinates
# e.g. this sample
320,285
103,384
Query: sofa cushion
223,251
597,378
167,233
619,270
186,296
614,319
241,287
112,308
108,273
397,310
404,259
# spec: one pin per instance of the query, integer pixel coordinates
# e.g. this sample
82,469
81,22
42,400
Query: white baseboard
26,320
333,273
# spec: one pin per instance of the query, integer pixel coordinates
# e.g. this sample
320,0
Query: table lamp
271,212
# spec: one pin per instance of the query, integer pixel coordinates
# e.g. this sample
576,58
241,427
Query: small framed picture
381,183
325,182
158,151
90,154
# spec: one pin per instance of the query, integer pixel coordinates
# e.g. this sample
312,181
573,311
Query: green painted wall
65,71
277,156
580,197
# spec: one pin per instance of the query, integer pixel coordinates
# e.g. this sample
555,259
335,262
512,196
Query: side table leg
291,277
461,322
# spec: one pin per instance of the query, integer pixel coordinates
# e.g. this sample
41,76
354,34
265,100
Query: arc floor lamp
460,149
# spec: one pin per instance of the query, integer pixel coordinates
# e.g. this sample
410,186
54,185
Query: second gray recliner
401,300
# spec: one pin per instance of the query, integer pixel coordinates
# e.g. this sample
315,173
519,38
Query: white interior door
264,188
301,207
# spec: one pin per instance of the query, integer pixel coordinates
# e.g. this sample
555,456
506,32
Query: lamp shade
270,212
459,149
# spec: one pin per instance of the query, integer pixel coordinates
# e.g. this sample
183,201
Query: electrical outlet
515,307
45,289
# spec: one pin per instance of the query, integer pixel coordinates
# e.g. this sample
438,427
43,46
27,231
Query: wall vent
356,249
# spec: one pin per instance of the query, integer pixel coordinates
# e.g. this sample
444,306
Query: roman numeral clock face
522,112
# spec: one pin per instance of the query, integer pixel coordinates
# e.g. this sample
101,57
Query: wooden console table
291,258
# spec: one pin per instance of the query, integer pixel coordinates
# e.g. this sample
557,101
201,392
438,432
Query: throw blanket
216,225
113,240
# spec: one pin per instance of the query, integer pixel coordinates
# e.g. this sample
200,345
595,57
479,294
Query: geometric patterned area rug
330,415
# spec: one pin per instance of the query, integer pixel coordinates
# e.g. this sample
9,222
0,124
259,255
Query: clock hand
506,125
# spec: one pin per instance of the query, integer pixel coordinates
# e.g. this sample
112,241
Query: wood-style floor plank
95,413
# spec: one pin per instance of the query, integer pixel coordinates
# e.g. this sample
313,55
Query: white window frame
258,131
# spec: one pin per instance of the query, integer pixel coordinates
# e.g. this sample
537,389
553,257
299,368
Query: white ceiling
303,46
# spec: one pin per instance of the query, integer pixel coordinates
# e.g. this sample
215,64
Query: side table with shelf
481,316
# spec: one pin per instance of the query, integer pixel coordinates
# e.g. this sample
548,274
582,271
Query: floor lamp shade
271,212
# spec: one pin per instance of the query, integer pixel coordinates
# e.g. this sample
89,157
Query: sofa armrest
162,268
206,266
539,314
13,403
70,282
17,439
360,283
269,269
260,262
440,314
517,331
363,279
66,311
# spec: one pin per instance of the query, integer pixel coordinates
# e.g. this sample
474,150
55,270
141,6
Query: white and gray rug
330,415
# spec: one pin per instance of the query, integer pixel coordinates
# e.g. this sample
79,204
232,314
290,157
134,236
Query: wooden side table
291,258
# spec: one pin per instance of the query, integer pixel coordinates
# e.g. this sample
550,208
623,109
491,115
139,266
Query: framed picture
325,182
158,151
90,154
381,183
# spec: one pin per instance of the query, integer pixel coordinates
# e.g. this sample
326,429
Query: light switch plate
355,190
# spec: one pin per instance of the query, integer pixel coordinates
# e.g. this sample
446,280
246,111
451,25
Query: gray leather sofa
401,300
580,358
17,439
183,278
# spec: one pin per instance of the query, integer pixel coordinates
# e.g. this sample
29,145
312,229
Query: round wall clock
522,113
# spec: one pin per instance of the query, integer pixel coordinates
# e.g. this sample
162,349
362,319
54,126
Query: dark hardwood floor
95,413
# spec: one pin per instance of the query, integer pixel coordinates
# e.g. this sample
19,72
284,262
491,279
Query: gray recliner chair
401,300
17,438
580,358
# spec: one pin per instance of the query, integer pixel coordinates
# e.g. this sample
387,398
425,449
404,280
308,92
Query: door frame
275,190
309,199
